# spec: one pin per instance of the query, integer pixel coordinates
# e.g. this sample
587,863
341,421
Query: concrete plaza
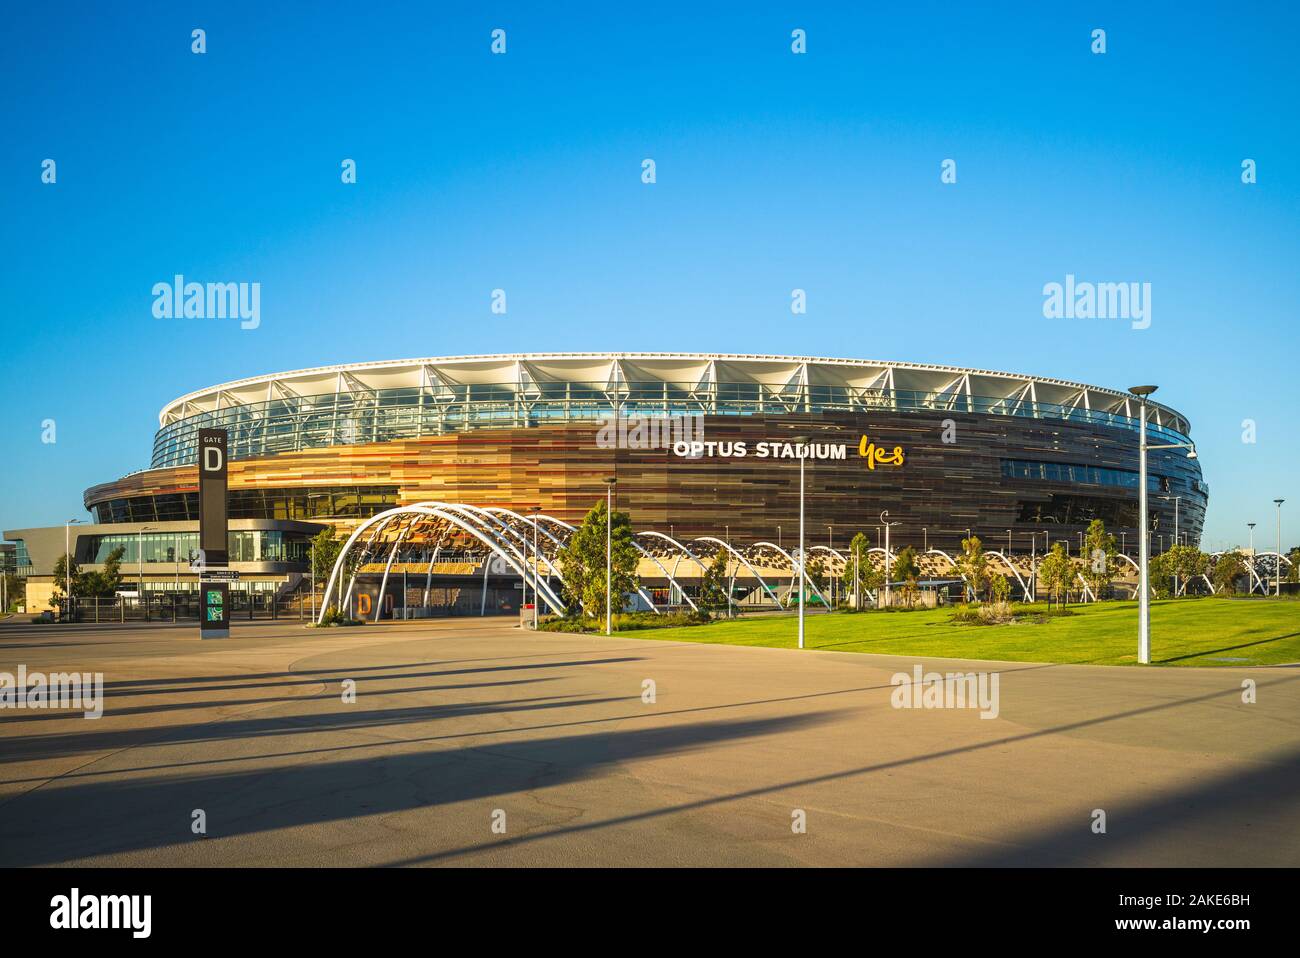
461,723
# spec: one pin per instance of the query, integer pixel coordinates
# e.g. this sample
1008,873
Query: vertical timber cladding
214,622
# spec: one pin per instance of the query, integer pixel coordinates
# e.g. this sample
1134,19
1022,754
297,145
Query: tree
1293,573
104,583
1187,563
1056,572
66,567
1000,588
714,583
973,564
14,590
582,562
1230,567
1099,558
905,566
859,565
325,548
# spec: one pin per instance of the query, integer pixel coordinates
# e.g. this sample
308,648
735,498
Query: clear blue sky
522,172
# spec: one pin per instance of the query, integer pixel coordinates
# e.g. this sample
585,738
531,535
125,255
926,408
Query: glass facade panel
278,425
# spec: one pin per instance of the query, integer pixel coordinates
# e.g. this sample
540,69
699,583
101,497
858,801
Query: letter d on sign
213,459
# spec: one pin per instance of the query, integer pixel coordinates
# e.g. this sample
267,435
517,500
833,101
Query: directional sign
219,575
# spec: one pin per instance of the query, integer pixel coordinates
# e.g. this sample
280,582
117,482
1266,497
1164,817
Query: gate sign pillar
214,609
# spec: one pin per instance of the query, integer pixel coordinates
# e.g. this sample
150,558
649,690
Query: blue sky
522,172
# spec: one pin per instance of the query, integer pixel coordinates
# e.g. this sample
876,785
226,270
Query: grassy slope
1185,632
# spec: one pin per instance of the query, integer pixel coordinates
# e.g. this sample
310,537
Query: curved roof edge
772,369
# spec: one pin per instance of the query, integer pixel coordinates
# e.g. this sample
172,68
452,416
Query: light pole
312,573
1250,580
1144,531
726,535
884,521
1177,500
925,539
536,567
609,556
1278,563
67,563
1008,543
801,444
139,555
830,544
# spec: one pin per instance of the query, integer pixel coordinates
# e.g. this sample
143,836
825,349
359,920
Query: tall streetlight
801,444
830,544
609,557
67,562
1008,543
1144,531
1250,580
139,555
726,535
884,521
537,595
1177,500
925,539
1278,563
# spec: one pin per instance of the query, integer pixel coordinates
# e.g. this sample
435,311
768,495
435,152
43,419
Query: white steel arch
744,562
450,517
803,571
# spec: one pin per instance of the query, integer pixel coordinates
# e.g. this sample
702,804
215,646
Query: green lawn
1196,632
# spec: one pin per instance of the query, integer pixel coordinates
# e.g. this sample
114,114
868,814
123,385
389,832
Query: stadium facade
699,444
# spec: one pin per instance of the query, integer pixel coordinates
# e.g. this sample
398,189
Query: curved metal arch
743,561
452,518
803,572
993,552
689,554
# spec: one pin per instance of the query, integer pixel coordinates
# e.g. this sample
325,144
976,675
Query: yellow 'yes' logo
868,451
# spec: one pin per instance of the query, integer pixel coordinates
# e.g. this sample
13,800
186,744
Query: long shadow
1230,648
125,688
28,715
843,774
88,819
348,718
343,671
641,715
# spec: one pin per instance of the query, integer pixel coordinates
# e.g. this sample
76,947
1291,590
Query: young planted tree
1000,589
714,583
907,571
1099,558
66,567
974,565
1056,572
582,563
859,571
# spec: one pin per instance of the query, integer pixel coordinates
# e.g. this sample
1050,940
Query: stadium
699,447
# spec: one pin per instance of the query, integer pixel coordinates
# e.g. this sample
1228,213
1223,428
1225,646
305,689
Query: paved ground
457,719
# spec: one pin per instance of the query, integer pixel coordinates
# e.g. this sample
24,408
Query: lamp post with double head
1144,531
